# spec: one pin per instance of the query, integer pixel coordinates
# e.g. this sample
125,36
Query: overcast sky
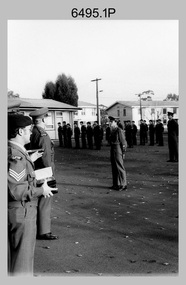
129,56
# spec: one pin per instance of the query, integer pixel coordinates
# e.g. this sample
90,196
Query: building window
175,110
152,111
49,121
164,111
124,112
93,112
118,113
59,114
83,112
75,113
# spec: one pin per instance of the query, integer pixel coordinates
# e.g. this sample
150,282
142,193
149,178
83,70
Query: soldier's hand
34,156
47,190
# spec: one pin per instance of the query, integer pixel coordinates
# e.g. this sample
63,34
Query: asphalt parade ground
104,232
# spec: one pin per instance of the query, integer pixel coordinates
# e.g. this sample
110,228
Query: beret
18,121
39,112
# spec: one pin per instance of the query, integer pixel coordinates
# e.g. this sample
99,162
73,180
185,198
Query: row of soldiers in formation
91,135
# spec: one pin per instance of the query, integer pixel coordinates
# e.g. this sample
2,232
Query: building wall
87,114
148,113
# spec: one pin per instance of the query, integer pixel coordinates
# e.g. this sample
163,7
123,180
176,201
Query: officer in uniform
118,148
40,139
22,196
172,138
89,135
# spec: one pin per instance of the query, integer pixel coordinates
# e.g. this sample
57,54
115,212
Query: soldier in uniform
40,139
160,133
65,133
60,134
97,135
69,136
76,135
22,196
172,138
118,149
134,133
89,135
83,135
151,132
107,134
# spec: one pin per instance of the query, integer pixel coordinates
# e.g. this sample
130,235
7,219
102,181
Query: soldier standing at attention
89,135
151,132
172,138
160,132
97,135
65,133
83,135
76,135
40,139
107,134
22,196
69,136
60,134
134,133
118,149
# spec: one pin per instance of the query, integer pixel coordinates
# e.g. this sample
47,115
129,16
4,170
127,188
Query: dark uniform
40,139
151,133
172,138
60,134
118,147
142,132
107,134
22,205
76,135
69,136
97,135
128,134
134,133
65,133
160,133
89,135
83,135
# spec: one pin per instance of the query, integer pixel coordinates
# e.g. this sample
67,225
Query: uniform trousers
21,237
43,215
118,169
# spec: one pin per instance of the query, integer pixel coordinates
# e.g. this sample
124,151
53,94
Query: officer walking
172,138
22,196
117,152
40,139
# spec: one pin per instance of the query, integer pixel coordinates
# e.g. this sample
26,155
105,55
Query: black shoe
48,236
122,188
114,187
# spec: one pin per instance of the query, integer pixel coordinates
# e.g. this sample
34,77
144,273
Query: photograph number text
93,13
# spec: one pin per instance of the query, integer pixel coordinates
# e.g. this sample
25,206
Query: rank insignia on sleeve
17,176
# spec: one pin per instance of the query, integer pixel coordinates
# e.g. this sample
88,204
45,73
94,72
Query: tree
63,90
172,97
49,90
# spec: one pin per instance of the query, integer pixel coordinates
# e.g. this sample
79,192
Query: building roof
146,104
85,104
28,103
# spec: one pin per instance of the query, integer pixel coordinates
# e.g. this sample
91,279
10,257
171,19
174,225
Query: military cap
170,114
111,118
39,113
13,105
18,121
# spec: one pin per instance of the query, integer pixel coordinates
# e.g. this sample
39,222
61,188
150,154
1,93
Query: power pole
97,99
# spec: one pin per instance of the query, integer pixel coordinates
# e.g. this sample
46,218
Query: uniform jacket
21,177
118,137
40,139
